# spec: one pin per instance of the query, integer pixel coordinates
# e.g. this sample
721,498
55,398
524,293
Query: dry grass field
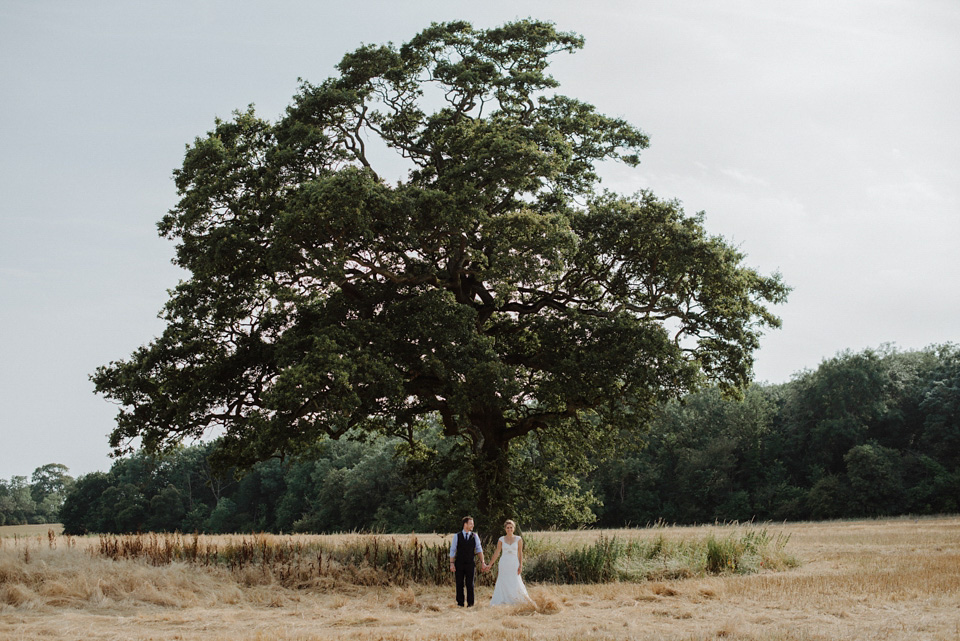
11,531
869,580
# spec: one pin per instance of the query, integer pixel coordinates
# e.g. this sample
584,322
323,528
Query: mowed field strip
869,580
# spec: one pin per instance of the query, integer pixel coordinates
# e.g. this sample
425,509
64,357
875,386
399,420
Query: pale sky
823,138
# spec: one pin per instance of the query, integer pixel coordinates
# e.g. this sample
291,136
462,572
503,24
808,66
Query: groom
466,545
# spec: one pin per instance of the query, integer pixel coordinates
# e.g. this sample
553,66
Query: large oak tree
494,288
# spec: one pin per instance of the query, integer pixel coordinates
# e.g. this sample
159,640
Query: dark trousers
465,572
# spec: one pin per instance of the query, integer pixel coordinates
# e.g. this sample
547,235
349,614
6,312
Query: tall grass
656,559
400,561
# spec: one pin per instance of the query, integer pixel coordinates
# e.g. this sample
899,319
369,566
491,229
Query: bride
509,589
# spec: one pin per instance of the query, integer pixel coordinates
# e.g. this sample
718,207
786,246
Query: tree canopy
495,286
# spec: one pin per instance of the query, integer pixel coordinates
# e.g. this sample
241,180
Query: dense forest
865,434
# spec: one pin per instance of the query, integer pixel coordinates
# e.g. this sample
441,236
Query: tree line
865,434
35,500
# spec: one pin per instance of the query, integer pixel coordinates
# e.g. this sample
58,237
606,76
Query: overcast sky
823,138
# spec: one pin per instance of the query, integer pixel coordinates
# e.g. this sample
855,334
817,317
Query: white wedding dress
509,589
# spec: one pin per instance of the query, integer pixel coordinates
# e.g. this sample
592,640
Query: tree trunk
495,492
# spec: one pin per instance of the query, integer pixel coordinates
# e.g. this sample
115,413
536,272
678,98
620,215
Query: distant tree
6,504
259,494
876,480
84,509
294,504
223,519
16,502
832,408
908,377
49,485
50,479
941,409
125,508
931,487
495,286
166,511
828,498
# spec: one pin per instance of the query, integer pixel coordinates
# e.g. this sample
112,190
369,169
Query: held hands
486,567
